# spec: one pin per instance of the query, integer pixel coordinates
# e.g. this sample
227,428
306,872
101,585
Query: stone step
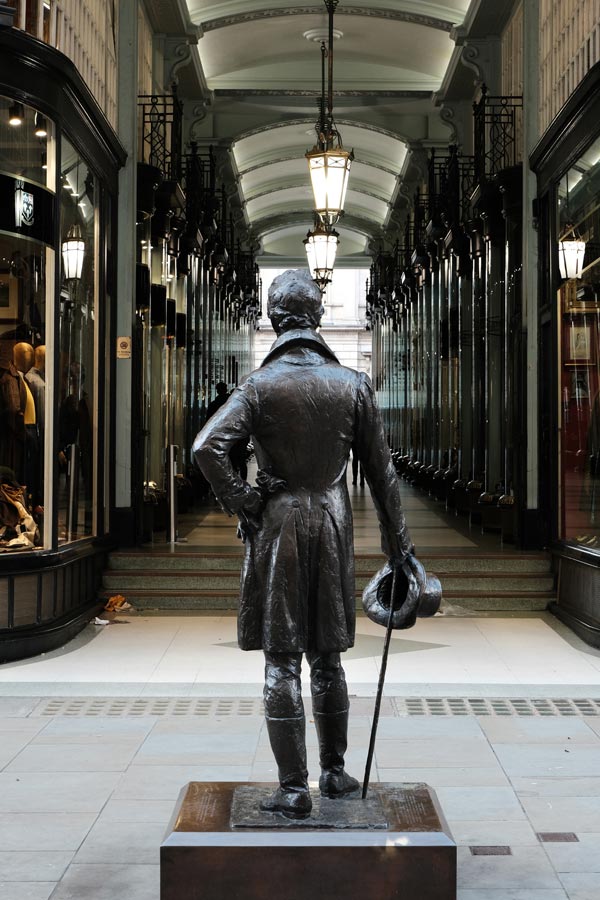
228,599
471,582
439,563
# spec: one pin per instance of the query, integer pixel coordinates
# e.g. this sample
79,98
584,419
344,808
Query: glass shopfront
59,163
76,404
47,468
27,271
578,319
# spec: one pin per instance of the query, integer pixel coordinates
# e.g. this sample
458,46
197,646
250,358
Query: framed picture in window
579,346
580,384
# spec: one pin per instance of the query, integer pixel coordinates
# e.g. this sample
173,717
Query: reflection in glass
77,347
579,315
27,177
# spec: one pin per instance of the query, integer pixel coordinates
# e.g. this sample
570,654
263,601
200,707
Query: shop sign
26,209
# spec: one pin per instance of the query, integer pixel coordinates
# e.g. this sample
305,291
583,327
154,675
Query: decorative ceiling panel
257,61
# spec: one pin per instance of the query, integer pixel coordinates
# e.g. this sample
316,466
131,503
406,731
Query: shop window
27,265
77,351
579,349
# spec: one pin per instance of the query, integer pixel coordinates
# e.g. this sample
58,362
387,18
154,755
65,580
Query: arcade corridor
497,710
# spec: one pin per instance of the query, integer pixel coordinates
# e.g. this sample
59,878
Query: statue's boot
332,731
292,797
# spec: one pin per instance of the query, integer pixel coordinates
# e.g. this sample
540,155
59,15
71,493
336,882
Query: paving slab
188,749
528,868
26,890
538,730
33,865
503,894
18,724
64,792
99,757
580,886
44,831
17,706
109,882
134,811
483,804
166,782
448,754
581,857
490,834
549,760
560,786
92,730
430,728
578,814
11,745
446,776
121,843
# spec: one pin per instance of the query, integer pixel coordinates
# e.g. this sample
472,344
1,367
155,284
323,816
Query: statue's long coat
303,412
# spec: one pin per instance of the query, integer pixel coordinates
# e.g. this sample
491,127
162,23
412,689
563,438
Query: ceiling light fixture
41,128
16,114
328,162
321,247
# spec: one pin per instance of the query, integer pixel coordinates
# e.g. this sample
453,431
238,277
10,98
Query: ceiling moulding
483,22
295,92
292,123
267,225
268,260
171,17
294,157
392,15
289,185
425,84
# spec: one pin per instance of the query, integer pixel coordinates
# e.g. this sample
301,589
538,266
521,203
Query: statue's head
294,301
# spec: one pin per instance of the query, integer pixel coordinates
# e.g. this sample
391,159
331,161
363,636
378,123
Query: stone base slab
203,857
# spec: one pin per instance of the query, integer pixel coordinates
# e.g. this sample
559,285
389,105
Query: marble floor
499,714
431,527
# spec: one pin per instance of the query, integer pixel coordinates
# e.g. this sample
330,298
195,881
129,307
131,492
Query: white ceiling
255,59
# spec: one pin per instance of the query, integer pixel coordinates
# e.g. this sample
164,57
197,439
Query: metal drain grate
223,706
502,706
155,706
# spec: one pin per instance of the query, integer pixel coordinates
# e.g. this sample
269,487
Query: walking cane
384,659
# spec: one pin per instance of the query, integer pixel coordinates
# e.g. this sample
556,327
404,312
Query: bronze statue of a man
304,412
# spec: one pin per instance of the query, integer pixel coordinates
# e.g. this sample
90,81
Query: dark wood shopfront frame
65,579
567,138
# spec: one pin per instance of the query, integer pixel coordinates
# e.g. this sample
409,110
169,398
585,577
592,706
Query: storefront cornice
39,75
570,132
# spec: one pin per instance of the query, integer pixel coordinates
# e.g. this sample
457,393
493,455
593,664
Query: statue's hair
294,301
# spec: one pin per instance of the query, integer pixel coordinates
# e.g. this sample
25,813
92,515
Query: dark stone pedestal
400,847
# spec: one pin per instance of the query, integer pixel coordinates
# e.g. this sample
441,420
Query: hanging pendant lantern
571,253
321,248
328,163
329,170
73,249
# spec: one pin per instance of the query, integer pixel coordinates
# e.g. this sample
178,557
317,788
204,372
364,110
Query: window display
77,337
27,176
579,348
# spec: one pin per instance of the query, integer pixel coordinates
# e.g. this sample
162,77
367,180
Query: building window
77,338
27,266
579,349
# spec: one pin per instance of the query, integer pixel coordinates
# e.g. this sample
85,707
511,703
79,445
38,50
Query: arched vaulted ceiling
264,78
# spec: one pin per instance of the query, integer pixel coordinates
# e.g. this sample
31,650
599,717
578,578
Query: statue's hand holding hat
416,594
